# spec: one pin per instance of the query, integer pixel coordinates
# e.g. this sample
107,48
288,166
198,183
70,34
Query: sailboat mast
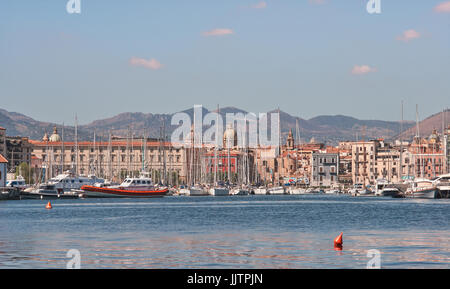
279,147
216,146
401,147
76,146
62,149
419,150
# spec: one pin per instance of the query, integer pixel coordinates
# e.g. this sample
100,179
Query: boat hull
260,191
276,191
432,193
297,191
99,192
219,192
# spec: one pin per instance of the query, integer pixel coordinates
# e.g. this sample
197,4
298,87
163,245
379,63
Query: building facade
447,149
114,159
2,141
18,150
325,169
3,171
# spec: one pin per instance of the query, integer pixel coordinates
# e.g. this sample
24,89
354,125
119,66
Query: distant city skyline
306,57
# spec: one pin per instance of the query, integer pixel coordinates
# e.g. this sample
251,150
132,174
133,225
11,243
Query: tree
24,170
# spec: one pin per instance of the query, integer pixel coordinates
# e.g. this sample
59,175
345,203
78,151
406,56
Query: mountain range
324,128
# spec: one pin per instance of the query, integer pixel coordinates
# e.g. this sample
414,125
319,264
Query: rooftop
2,159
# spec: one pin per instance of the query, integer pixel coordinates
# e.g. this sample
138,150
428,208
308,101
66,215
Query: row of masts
196,167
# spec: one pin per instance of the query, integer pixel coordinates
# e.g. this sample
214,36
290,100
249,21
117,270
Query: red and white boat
141,187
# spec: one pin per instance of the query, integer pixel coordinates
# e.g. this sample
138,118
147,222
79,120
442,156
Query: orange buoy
338,241
48,206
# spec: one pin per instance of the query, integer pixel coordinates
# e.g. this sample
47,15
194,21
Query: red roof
2,159
2,128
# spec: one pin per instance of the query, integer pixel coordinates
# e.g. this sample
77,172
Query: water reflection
262,233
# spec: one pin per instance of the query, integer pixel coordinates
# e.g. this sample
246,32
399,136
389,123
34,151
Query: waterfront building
3,171
363,161
2,141
18,150
428,156
290,161
113,159
325,169
447,149
345,163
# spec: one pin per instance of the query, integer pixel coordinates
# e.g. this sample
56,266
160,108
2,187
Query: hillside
326,128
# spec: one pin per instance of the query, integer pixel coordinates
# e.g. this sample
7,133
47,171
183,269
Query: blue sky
308,57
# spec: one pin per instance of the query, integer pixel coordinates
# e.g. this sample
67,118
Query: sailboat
217,190
278,189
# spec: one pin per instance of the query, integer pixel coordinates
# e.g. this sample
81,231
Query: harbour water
226,232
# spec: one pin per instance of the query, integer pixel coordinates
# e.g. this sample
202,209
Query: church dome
229,137
55,136
434,137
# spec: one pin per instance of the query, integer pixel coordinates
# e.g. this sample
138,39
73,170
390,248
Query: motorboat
260,191
443,184
423,189
390,192
48,191
240,192
18,182
131,187
276,191
219,191
67,182
332,192
296,191
194,191
379,186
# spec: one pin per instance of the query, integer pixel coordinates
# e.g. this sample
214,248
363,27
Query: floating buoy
48,206
338,242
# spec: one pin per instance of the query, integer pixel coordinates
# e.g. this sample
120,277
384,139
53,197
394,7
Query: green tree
24,170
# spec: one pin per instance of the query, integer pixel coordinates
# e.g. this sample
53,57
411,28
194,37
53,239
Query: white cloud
362,69
409,35
218,32
260,5
443,7
150,64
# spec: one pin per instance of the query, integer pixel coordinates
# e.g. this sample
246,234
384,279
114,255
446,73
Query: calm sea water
226,232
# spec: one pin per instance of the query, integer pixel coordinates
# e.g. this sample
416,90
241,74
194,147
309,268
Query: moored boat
276,191
390,192
423,189
141,187
219,191
260,191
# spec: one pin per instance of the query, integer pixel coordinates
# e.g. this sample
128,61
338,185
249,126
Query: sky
307,57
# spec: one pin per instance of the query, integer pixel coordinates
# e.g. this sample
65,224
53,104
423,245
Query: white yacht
276,191
379,186
390,192
18,182
332,192
68,182
443,184
423,189
296,191
65,184
260,191
240,192
219,191
194,191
